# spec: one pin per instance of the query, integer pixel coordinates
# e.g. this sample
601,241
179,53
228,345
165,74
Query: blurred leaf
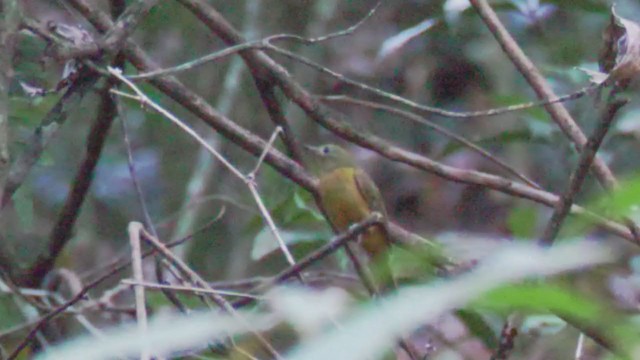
522,221
297,223
166,335
265,242
478,327
9,311
532,12
302,199
418,262
28,112
23,202
540,129
395,43
539,297
374,328
292,304
628,123
453,8
621,202
157,301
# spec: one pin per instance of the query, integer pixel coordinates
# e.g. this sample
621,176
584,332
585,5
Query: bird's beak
311,149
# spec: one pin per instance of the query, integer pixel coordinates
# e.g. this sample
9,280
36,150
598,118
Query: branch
113,39
527,68
321,114
332,246
9,22
46,130
442,130
579,175
114,269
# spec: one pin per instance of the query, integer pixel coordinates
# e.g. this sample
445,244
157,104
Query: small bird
348,195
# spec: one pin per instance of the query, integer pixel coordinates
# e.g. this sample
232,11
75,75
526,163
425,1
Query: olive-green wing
370,192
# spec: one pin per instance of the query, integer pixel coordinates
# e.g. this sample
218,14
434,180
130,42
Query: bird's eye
325,150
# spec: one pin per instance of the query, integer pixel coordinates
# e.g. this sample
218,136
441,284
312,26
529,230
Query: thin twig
256,44
141,307
558,112
188,289
587,156
267,91
204,166
45,131
276,132
159,269
247,179
63,228
113,39
425,108
81,295
416,118
333,245
251,143
219,300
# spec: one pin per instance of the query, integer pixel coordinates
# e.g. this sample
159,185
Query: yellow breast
345,206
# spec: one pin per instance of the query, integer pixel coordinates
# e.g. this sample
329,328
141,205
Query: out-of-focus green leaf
374,328
156,300
297,222
622,201
418,262
478,327
522,221
265,242
302,200
29,112
23,202
9,312
539,297
165,335
293,305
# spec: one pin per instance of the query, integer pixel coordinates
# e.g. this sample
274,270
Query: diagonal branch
113,39
587,157
320,113
527,68
45,131
63,228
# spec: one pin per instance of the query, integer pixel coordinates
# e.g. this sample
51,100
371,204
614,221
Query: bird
348,195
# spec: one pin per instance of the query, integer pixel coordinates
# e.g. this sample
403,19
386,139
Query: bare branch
587,156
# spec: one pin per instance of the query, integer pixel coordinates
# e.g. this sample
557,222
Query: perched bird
348,195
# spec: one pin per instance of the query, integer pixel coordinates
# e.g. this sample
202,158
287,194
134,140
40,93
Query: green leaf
539,297
522,221
23,201
302,199
478,327
375,327
622,201
28,112
265,242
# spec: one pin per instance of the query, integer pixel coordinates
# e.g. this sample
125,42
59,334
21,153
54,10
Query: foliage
469,269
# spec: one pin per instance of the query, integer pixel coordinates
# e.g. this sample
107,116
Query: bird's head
328,157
